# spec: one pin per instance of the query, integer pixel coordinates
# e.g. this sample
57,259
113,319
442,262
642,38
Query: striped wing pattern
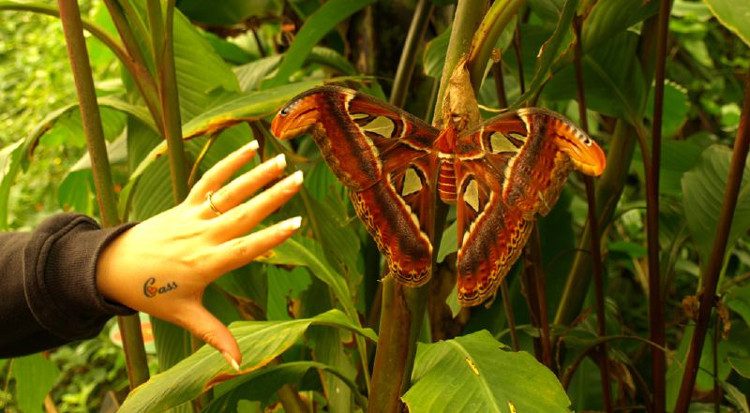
506,171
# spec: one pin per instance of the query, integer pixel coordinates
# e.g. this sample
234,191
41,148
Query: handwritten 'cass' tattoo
150,291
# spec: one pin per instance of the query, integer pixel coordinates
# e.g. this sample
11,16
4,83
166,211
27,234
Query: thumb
208,328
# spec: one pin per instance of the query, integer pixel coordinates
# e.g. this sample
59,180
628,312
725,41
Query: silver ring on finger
209,198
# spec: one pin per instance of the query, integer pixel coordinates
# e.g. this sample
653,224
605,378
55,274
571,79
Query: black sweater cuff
60,276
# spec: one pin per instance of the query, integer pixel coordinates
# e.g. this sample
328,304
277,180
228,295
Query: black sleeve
48,292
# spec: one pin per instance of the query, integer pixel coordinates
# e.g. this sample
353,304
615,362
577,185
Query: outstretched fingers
240,251
243,218
240,189
215,177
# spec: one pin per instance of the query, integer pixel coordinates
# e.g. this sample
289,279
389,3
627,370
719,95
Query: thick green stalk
710,277
468,16
92,127
170,103
402,308
401,316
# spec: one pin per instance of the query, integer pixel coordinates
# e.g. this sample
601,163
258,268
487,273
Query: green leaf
474,373
549,51
74,193
251,106
306,252
738,299
262,384
614,82
736,397
612,17
251,74
316,26
677,157
703,194
260,342
676,107
741,366
734,15
704,379
35,376
434,54
10,164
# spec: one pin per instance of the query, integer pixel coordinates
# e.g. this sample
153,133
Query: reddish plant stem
497,74
509,316
519,59
537,297
596,256
70,16
655,301
715,261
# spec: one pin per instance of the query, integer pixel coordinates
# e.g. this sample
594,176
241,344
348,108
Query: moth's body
500,175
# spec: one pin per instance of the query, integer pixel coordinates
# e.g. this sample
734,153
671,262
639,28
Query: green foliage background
237,60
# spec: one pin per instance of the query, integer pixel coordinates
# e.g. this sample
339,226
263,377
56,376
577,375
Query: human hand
162,265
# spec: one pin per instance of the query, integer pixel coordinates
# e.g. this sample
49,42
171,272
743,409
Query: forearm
48,295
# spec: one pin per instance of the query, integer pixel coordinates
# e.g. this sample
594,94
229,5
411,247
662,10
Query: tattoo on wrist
150,290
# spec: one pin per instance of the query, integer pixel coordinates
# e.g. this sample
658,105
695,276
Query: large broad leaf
734,15
35,376
262,384
260,343
474,374
613,79
316,26
703,195
611,17
251,106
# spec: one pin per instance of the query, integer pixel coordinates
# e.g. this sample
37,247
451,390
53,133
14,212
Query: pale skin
162,265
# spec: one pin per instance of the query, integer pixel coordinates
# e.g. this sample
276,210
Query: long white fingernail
252,146
232,362
280,160
295,178
291,224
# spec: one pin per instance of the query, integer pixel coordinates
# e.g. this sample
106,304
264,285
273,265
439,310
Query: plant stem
710,277
135,60
534,285
655,302
401,316
608,190
493,24
467,19
408,58
509,316
92,126
170,105
403,307
596,254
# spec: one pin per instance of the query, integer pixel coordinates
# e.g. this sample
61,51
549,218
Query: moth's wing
507,171
385,157
491,231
